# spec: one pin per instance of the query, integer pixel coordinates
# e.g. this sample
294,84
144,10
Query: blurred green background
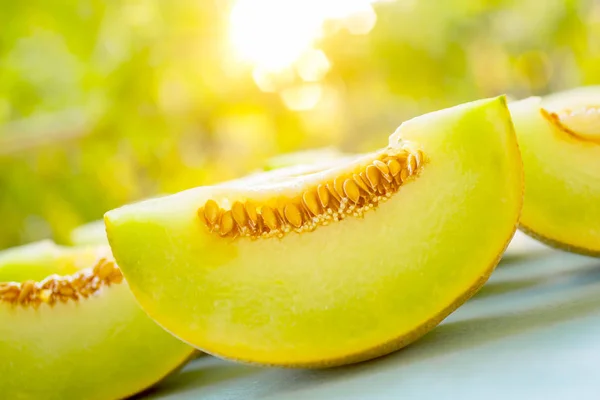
103,103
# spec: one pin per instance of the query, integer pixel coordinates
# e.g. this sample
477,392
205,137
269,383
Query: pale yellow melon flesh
345,292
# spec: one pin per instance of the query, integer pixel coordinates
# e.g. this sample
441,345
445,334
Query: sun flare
276,37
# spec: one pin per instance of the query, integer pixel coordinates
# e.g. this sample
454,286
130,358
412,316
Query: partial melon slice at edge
559,137
100,347
345,292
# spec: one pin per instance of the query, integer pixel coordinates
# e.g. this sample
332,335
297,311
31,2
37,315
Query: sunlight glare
277,37
274,34
312,65
303,97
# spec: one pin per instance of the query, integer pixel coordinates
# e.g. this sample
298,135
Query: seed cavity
350,194
581,123
62,289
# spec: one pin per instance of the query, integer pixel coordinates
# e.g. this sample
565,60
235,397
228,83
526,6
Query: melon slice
559,137
332,266
80,336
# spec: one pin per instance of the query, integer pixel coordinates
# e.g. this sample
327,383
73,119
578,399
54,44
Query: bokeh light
278,37
302,97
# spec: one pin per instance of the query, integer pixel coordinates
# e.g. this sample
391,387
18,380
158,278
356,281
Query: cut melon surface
63,345
35,261
310,283
559,137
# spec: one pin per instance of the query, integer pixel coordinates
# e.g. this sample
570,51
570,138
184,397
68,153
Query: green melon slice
559,137
64,346
333,285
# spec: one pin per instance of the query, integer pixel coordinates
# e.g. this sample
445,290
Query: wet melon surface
78,336
333,266
559,137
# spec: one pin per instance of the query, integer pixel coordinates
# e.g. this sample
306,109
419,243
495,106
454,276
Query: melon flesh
345,292
561,157
103,347
38,260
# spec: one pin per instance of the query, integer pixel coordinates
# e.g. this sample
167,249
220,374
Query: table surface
532,332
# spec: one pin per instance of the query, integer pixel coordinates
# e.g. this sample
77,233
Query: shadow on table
202,373
534,271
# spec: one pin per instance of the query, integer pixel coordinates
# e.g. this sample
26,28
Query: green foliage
103,103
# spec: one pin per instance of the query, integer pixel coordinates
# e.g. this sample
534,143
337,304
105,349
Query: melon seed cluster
62,288
347,195
580,122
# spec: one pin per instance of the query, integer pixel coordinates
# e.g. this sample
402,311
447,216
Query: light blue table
533,332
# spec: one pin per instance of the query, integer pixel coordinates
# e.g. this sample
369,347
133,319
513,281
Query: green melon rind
558,245
292,303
